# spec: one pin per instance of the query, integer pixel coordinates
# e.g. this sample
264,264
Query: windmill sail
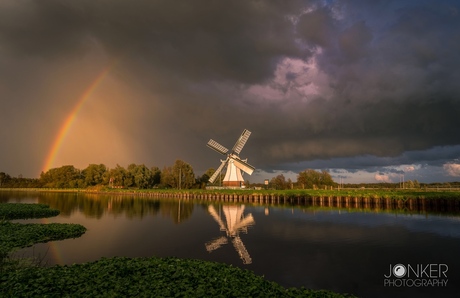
235,222
217,172
216,217
244,166
246,221
241,141
242,251
216,243
217,147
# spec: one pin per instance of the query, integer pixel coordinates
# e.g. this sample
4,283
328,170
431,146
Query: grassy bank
119,277
421,193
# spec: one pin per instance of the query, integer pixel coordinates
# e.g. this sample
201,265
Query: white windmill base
233,176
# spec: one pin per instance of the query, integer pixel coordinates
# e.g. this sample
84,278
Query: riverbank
428,193
412,199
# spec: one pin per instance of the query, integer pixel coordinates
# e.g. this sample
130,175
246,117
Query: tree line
308,179
178,176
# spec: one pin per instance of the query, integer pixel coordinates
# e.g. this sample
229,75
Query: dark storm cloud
238,40
393,85
366,78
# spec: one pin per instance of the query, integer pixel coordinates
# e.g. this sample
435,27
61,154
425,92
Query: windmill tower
235,223
233,176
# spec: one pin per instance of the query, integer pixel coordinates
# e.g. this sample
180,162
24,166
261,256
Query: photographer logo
399,270
416,275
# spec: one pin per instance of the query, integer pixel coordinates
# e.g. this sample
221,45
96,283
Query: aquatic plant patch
16,235
146,277
24,211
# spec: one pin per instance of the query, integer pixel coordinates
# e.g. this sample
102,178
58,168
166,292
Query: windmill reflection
236,222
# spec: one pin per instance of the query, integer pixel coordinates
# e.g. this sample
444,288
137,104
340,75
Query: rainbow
63,131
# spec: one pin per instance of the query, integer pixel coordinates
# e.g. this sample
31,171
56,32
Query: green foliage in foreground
145,277
24,211
16,235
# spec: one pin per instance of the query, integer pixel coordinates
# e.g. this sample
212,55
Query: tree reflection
95,206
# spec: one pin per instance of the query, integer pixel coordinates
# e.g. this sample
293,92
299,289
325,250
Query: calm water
319,248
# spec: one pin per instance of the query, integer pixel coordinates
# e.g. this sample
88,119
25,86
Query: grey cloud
433,157
47,29
317,27
385,74
240,41
353,41
393,89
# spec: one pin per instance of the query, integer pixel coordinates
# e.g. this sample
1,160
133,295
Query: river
358,251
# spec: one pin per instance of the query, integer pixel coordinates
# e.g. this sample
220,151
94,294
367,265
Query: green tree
313,179
184,171
94,174
204,179
141,175
167,179
181,172
326,179
4,178
308,179
63,177
116,176
156,176
279,182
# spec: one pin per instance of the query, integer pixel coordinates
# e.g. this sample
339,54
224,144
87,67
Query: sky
367,90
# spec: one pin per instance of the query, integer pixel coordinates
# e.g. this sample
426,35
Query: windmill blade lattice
217,172
241,141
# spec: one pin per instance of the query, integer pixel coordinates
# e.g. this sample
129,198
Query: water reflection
345,249
96,206
235,222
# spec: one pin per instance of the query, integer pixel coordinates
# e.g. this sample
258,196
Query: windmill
235,223
233,176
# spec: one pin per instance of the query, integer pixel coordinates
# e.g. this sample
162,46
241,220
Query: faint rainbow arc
72,116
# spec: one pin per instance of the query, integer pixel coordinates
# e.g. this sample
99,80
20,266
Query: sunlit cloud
452,169
381,177
409,168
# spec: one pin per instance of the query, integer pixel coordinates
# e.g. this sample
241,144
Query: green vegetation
146,277
24,211
15,235
403,194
